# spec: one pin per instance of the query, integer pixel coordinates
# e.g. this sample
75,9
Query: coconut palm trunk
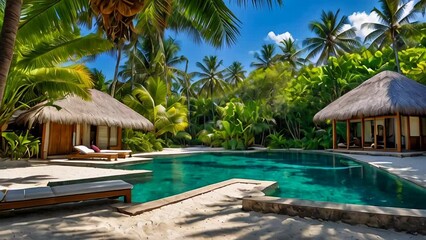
395,50
117,65
12,14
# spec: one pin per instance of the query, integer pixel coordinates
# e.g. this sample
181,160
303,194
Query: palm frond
61,50
41,16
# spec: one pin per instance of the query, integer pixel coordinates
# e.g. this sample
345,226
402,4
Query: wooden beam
384,134
119,137
398,133
407,138
108,137
375,133
334,133
43,140
348,133
362,133
421,132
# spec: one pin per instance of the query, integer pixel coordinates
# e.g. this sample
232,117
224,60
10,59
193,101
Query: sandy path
214,215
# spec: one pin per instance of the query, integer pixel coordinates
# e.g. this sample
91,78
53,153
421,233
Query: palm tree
41,70
332,39
99,80
290,53
12,10
394,23
266,58
213,19
211,77
421,6
171,59
234,74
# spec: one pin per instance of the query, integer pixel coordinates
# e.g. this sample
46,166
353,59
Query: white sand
25,176
214,215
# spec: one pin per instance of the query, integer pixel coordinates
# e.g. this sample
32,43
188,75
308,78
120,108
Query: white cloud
252,52
359,18
280,37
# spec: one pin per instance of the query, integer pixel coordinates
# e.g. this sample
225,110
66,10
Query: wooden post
398,132
384,134
421,132
108,137
119,136
407,138
348,133
362,133
334,134
45,135
375,133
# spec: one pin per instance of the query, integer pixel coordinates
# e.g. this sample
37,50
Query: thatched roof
384,94
101,110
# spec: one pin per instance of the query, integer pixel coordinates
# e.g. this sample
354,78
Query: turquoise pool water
320,177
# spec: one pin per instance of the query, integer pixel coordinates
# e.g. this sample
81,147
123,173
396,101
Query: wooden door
60,139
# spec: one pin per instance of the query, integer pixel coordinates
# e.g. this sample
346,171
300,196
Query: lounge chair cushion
95,148
2,194
29,193
83,149
92,187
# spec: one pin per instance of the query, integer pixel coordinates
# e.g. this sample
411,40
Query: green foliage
141,142
317,139
168,115
238,125
20,146
42,68
279,141
331,39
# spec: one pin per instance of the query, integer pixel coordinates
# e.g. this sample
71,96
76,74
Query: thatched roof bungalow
73,121
388,111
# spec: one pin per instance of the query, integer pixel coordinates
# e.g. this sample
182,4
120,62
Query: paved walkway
410,168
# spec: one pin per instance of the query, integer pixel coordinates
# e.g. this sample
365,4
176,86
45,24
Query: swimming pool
318,177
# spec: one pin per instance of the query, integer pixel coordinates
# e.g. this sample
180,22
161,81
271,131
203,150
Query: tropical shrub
277,141
317,139
240,123
20,146
169,115
141,142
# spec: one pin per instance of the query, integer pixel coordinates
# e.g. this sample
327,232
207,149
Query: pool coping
139,208
400,219
121,176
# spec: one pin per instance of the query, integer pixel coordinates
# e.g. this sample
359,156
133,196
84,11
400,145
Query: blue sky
292,18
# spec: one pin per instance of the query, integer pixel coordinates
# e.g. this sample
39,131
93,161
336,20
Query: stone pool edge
400,219
139,208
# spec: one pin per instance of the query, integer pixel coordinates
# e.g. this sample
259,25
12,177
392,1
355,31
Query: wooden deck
378,152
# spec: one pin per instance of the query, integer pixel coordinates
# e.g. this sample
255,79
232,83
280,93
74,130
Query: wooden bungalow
74,121
387,113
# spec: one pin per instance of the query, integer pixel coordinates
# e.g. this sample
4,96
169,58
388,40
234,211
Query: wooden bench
121,153
42,196
108,156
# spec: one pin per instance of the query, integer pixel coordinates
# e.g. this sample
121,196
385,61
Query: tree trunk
117,64
187,94
132,80
395,50
12,14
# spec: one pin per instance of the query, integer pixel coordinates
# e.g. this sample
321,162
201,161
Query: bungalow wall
389,133
59,139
